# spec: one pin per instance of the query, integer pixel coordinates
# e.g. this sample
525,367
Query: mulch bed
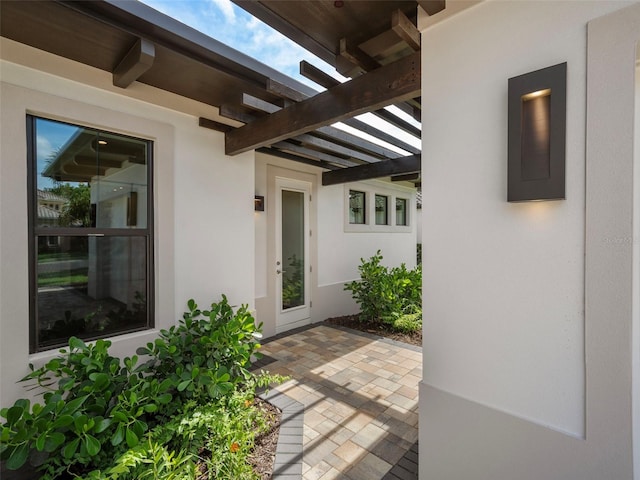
381,329
264,452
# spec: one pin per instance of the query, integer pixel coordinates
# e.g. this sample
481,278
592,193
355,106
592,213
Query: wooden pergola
376,43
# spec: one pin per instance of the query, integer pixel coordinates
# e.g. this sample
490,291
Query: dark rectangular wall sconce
537,131
258,203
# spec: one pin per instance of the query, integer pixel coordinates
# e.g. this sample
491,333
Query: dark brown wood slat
354,58
317,75
349,144
235,113
213,125
376,132
349,140
262,11
390,84
276,88
329,146
405,29
410,164
405,178
307,152
137,61
289,156
398,122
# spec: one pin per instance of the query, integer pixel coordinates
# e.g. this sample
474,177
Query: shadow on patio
360,395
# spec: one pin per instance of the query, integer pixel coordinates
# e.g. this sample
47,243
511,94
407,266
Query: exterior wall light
258,203
537,131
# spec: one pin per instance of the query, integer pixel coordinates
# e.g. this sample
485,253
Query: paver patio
360,395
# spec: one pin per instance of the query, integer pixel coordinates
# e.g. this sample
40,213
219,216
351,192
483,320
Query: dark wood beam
386,85
289,156
334,148
405,29
405,177
432,6
234,113
350,60
339,141
276,88
307,152
327,81
410,164
137,61
261,10
213,125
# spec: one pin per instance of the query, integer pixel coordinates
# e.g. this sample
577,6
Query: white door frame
287,319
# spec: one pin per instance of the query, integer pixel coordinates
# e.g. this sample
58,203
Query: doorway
292,270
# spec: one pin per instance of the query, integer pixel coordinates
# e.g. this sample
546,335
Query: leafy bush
97,407
385,295
207,353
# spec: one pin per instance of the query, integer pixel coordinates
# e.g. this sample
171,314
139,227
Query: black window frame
364,207
386,209
405,210
34,232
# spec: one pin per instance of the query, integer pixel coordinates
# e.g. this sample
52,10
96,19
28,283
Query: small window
401,211
357,207
382,203
91,255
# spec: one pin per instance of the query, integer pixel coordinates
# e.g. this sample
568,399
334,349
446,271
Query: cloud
227,10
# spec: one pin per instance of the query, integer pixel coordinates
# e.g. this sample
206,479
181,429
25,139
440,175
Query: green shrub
386,294
207,353
97,407
408,322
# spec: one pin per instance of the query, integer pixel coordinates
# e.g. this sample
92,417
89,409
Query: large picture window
90,223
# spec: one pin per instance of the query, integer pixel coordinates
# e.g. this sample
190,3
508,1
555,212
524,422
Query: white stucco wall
203,199
336,248
504,284
504,281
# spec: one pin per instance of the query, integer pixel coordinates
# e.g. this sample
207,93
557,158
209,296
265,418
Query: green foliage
77,211
97,407
419,254
207,353
292,284
407,322
388,294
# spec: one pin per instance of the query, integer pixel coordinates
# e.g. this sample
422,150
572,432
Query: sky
231,25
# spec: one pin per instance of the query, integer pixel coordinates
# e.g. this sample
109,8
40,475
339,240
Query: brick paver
360,397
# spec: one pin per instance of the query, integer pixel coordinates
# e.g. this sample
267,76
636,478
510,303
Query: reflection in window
382,217
401,211
92,239
92,286
356,207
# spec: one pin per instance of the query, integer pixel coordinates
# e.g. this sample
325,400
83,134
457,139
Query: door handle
280,271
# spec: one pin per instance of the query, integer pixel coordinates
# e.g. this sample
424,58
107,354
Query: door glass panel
293,253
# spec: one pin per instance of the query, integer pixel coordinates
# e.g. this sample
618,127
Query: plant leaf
54,441
132,438
18,457
14,414
92,445
71,448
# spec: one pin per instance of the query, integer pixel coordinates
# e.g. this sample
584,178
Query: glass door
292,253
